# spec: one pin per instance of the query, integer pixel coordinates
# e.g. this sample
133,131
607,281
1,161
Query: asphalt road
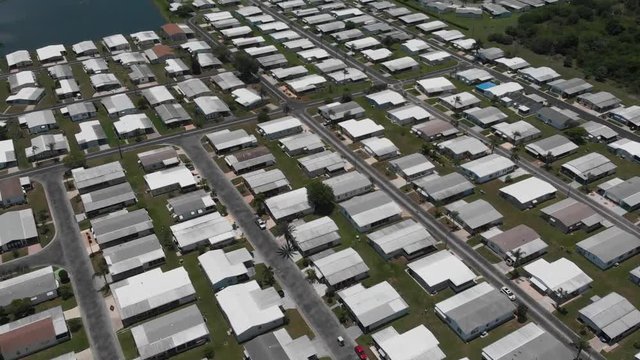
313,309
471,257
77,263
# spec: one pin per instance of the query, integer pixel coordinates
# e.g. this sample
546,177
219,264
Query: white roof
306,83
464,44
220,266
370,208
226,138
315,233
211,105
431,26
289,203
377,54
299,44
371,305
278,125
7,151
415,112
248,11
236,31
157,95
143,36
415,45
348,75
313,54
167,177
380,146
175,66
387,97
629,146
504,89
247,306
560,274
262,180
90,131
528,190
460,100
283,73
285,35
245,97
341,266
415,344
361,44
509,129
50,52
488,165
448,35
115,40
540,74
514,63
17,57
261,50
132,122
273,26
435,55
245,41
441,267
218,15
95,65
359,128
464,144
151,290
399,64
436,85
330,65
408,236
527,343
212,227
26,94
613,315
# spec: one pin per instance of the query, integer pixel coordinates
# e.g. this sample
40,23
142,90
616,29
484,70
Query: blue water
30,24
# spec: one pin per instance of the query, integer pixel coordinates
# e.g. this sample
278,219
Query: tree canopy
321,197
602,36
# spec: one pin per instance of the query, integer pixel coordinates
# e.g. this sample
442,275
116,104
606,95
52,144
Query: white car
261,223
505,290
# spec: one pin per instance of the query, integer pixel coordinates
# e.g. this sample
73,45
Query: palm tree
495,141
517,255
287,250
268,277
514,154
580,345
51,146
548,159
312,277
258,202
456,100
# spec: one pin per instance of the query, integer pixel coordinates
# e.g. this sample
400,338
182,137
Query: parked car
505,290
360,352
261,223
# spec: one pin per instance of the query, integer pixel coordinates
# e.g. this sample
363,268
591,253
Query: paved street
471,257
316,313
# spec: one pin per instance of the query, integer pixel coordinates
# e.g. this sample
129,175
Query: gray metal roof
88,177
527,343
190,202
327,160
612,314
475,307
570,212
627,192
557,145
407,236
17,225
610,244
169,331
571,86
121,224
442,187
133,254
486,116
261,181
107,197
279,345
371,207
315,233
341,266
81,108
309,142
474,214
27,285
593,163
347,183
412,164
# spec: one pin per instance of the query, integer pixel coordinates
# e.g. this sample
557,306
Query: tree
263,116
209,352
515,156
20,308
258,203
246,65
222,53
74,325
4,317
184,11
312,277
321,197
517,255
102,269
65,292
580,345
577,135
268,279
63,276
141,104
287,250
548,160
521,313
349,25
75,159
495,141
516,135
196,69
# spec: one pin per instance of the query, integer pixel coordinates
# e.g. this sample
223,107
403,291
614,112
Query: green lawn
46,82
4,93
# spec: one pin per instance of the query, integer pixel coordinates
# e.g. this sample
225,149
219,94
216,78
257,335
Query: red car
360,351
